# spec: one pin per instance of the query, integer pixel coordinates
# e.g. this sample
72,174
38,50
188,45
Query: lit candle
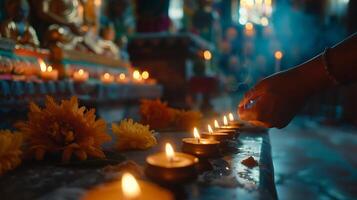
127,189
137,78
122,78
219,136
171,166
278,56
223,129
200,147
235,122
107,78
80,76
48,73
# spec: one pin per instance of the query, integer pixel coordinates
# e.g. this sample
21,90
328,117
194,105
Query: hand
275,100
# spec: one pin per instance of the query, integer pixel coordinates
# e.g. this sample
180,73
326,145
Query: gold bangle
325,62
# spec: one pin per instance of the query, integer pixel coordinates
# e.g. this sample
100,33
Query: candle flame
196,134
49,68
278,55
81,72
136,75
42,65
210,129
106,75
225,121
130,186
249,26
170,153
231,117
216,125
145,75
207,55
121,76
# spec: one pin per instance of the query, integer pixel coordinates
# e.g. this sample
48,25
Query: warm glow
207,55
231,117
136,75
268,2
249,26
170,153
130,186
145,75
80,72
97,2
106,75
196,134
209,128
225,120
121,76
42,65
278,55
216,125
49,68
264,21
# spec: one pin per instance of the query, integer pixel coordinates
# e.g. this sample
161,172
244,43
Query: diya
200,147
128,189
219,129
171,166
226,125
234,122
219,136
80,76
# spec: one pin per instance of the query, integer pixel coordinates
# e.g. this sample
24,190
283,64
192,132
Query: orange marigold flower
10,150
65,128
156,114
132,135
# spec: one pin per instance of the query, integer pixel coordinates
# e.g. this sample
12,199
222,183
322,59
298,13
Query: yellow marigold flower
10,150
65,128
132,135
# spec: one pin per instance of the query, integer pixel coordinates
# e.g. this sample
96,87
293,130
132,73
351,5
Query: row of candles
50,74
172,167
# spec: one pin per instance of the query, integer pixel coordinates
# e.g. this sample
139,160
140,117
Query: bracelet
324,57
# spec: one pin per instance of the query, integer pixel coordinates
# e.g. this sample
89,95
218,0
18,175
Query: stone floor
315,162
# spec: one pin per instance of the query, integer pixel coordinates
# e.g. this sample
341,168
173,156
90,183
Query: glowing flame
170,153
225,121
249,26
106,75
122,76
43,66
81,72
209,128
278,55
216,125
136,75
130,186
231,117
145,75
196,134
264,21
207,55
49,68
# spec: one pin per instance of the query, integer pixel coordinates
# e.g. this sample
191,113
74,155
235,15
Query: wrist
314,76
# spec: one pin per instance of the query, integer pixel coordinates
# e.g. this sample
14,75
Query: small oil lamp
128,189
219,129
137,78
219,136
200,147
121,78
80,76
107,78
171,166
47,72
234,122
226,124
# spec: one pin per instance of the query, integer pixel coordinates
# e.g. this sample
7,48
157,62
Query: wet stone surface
228,178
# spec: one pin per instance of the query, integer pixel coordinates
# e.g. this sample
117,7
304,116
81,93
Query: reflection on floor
315,162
